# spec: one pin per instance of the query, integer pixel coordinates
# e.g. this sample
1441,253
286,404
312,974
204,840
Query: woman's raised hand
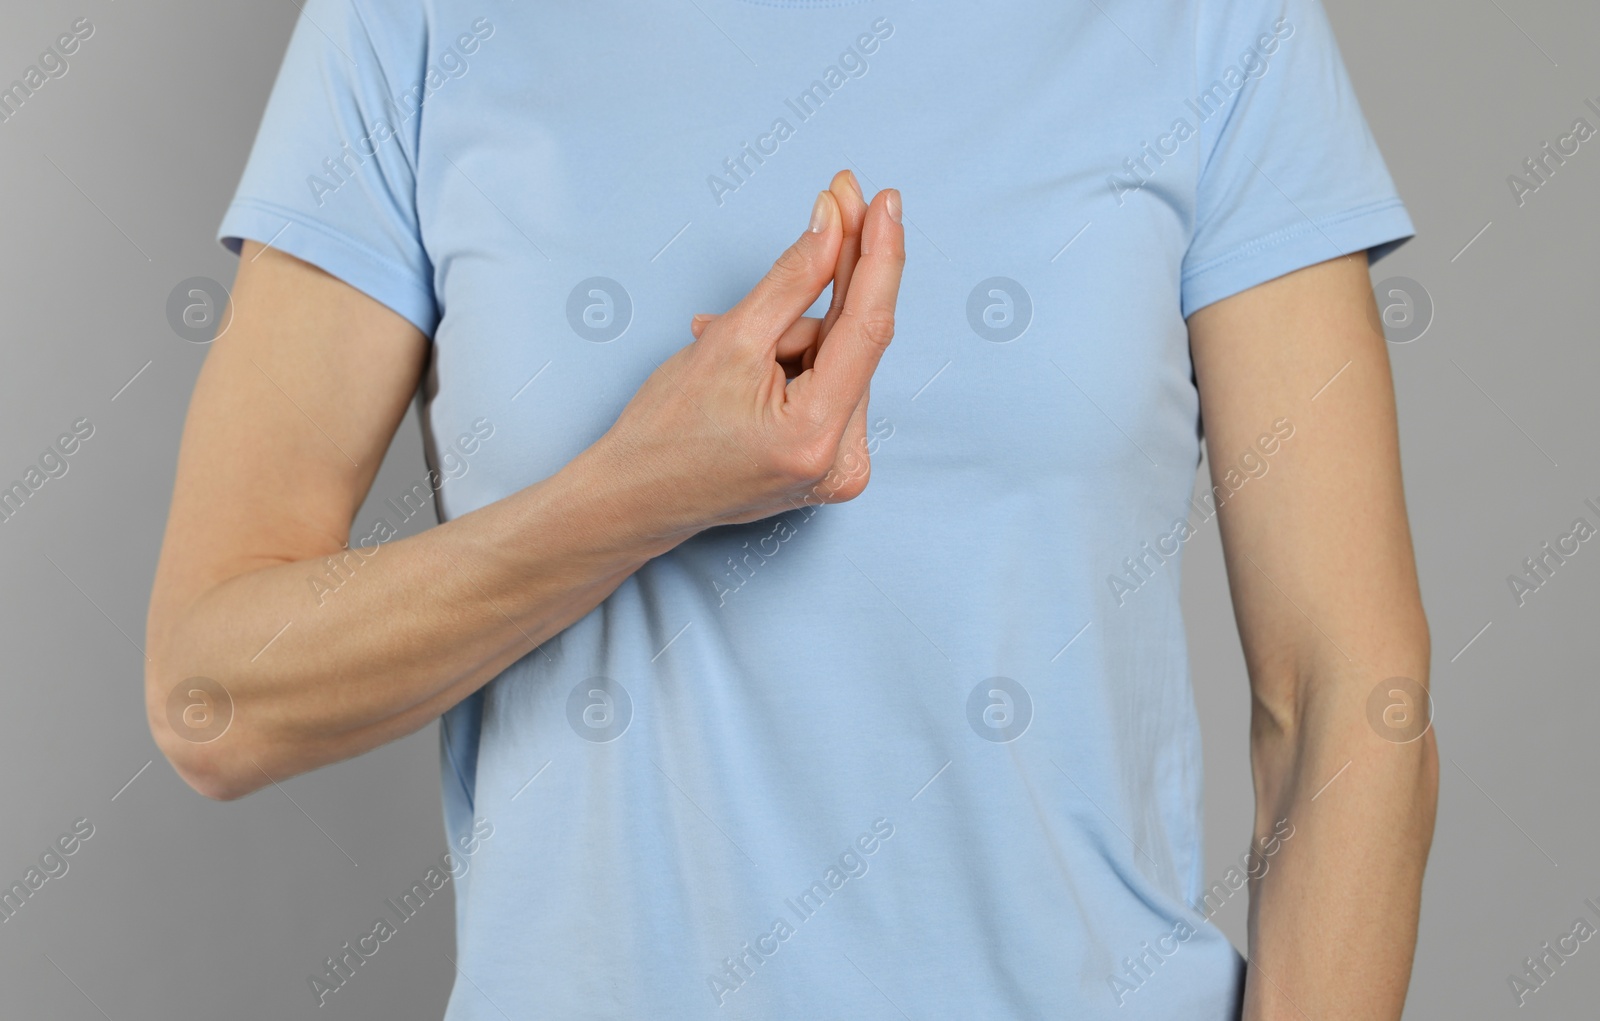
766,403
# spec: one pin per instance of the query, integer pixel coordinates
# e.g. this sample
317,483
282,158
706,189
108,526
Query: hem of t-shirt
380,278
1378,228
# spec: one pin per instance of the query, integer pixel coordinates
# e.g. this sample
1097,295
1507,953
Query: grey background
112,181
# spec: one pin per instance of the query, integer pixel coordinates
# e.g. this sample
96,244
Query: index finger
791,286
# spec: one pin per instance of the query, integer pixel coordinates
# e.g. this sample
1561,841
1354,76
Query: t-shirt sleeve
331,178
1290,174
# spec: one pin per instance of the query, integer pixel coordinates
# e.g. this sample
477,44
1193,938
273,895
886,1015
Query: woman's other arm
1325,591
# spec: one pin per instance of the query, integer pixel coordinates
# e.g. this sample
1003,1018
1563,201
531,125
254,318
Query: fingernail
891,205
851,177
819,213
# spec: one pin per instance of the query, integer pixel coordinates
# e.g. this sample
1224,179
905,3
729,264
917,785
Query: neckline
804,3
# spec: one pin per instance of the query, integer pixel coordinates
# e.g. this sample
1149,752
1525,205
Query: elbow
193,725
1412,771
215,784
219,777
218,773
1427,766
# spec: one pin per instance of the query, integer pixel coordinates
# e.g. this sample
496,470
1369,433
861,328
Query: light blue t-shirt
931,753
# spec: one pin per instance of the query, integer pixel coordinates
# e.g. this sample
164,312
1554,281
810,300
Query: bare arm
1324,587
291,416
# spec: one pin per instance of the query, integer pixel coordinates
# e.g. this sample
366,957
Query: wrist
617,509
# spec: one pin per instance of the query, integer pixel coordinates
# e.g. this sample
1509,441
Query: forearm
324,662
1333,916
719,433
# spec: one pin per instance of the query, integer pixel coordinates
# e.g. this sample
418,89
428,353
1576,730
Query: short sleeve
331,178
1290,174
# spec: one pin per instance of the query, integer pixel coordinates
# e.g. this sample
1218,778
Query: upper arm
298,399
1315,536
290,418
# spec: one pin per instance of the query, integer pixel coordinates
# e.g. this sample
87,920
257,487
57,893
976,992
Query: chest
596,174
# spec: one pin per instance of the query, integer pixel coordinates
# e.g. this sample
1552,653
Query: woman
726,731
